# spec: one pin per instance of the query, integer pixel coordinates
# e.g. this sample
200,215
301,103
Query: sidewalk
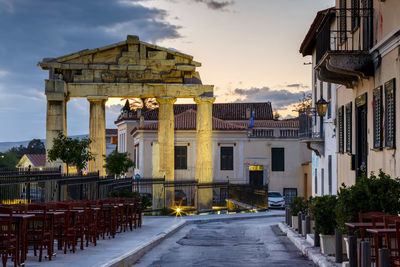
126,248
313,253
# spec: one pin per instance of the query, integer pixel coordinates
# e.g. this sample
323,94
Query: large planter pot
327,244
295,222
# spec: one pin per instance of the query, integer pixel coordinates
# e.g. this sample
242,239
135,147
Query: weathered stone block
157,55
136,67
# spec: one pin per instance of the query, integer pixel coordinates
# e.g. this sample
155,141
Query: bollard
353,251
338,246
316,239
290,217
308,225
287,215
365,254
303,225
384,257
299,222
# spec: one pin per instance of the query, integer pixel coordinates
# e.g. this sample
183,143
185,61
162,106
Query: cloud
6,5
216,5
278,98
48,28
297,85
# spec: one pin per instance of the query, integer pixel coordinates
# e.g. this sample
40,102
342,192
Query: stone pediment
130,61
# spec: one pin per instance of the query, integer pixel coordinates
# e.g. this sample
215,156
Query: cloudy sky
248,48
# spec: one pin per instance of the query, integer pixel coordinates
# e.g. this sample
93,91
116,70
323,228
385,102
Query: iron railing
253,196
308,124
352,32
26,186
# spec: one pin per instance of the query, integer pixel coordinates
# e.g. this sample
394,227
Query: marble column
204,162
56,116
97,133
166,144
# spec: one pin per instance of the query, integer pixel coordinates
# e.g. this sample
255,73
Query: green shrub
298,204
146,202
323,210
376,193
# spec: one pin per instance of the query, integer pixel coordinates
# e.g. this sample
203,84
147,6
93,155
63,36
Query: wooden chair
8,237
39,233
68,232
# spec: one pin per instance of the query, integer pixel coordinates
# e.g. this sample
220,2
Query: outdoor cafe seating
381,230
66,225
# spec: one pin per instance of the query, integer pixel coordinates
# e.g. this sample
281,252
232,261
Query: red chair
8,237
39,233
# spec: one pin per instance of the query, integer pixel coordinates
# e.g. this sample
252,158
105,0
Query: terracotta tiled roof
309,41
272,124
187,121
111,131
223,111
38,160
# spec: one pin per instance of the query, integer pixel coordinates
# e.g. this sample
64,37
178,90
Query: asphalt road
253,242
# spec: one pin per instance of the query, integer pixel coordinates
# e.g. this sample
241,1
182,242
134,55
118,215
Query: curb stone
313,253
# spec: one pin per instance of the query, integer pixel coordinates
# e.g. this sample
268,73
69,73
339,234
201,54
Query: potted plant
325,222
374,193
297,204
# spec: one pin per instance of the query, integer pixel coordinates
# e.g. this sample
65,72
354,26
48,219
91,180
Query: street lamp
322,106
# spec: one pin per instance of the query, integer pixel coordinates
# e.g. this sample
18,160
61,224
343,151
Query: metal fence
48,184
26,186
256,197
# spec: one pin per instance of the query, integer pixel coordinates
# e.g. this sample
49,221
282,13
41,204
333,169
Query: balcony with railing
342,51
311,130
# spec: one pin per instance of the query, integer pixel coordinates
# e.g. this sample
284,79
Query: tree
70,151
305,102
35,146
8,160
276,115
118,163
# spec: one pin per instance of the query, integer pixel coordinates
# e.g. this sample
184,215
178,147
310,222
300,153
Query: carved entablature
130,61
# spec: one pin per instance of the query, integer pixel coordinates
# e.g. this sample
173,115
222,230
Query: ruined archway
132,69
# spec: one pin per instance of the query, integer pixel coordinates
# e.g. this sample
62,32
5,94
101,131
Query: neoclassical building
267,152
357,46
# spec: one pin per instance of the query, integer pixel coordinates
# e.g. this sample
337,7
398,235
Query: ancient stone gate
132,69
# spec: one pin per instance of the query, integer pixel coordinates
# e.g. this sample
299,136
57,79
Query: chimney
248,113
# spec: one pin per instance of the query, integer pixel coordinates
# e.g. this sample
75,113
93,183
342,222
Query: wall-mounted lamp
322,107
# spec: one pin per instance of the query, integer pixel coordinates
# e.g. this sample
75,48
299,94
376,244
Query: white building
320,132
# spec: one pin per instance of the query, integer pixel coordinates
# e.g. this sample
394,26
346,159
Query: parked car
275,200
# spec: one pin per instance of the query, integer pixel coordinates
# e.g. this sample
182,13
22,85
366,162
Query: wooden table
377,237
20,220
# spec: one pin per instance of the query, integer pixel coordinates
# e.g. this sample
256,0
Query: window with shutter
227,158
180,157
349,127
316,181
390,119
322,182
278,159
377,117
341,129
